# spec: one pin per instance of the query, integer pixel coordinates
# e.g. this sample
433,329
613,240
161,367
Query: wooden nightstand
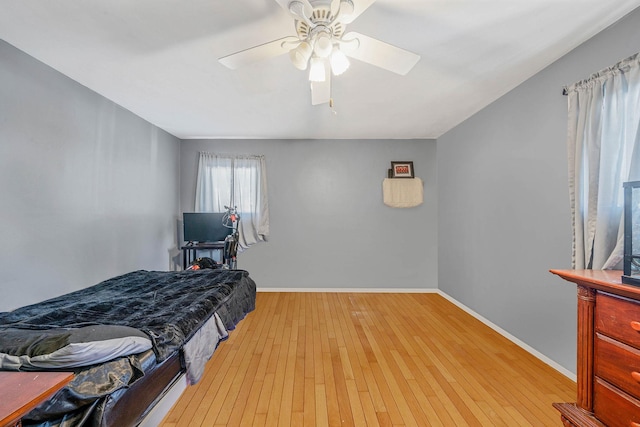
20,392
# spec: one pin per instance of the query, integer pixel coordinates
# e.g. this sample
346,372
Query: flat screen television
204,227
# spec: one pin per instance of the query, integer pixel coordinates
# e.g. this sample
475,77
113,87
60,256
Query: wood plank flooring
367,359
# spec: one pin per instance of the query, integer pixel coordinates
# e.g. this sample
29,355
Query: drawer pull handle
636,376
636,327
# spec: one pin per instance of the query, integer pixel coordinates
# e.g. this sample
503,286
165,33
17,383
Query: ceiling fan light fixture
300,55
317,72
323,45
339,62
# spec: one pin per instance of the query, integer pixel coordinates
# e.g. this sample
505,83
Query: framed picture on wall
402,170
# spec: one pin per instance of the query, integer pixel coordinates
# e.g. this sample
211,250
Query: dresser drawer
618,318
618,363
614,407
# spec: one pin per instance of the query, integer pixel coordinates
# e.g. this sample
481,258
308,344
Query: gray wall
87,190
504,215
329,227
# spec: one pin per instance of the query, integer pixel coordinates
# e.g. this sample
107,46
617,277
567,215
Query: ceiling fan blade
258,53
321,91
360,6
379,53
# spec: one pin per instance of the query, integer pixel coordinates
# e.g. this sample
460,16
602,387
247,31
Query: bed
128,340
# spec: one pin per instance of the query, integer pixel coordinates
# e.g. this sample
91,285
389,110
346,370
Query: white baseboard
355,290
490,324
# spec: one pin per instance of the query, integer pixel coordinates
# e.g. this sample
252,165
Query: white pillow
68,348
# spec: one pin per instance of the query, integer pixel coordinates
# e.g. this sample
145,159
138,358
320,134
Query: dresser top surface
22,391
604,280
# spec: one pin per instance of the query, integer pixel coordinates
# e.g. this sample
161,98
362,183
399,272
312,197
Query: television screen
204,227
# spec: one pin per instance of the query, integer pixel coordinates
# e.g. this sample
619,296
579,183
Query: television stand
190,251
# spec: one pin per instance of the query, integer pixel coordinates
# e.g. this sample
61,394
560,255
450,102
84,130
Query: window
235,181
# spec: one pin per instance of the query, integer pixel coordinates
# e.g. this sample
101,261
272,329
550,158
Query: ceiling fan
322,46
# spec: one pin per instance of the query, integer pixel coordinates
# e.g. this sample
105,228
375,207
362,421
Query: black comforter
167,306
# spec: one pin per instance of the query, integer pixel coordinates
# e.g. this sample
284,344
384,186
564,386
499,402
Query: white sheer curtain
241,181
604,151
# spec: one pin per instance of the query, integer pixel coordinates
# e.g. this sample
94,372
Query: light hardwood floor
366,359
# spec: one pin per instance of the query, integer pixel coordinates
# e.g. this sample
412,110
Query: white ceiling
158,59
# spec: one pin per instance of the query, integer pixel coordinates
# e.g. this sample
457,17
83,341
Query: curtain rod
622,66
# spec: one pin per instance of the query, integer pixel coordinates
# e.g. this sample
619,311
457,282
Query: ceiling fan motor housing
322,20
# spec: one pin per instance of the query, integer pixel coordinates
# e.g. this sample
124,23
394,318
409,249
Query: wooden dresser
608,369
